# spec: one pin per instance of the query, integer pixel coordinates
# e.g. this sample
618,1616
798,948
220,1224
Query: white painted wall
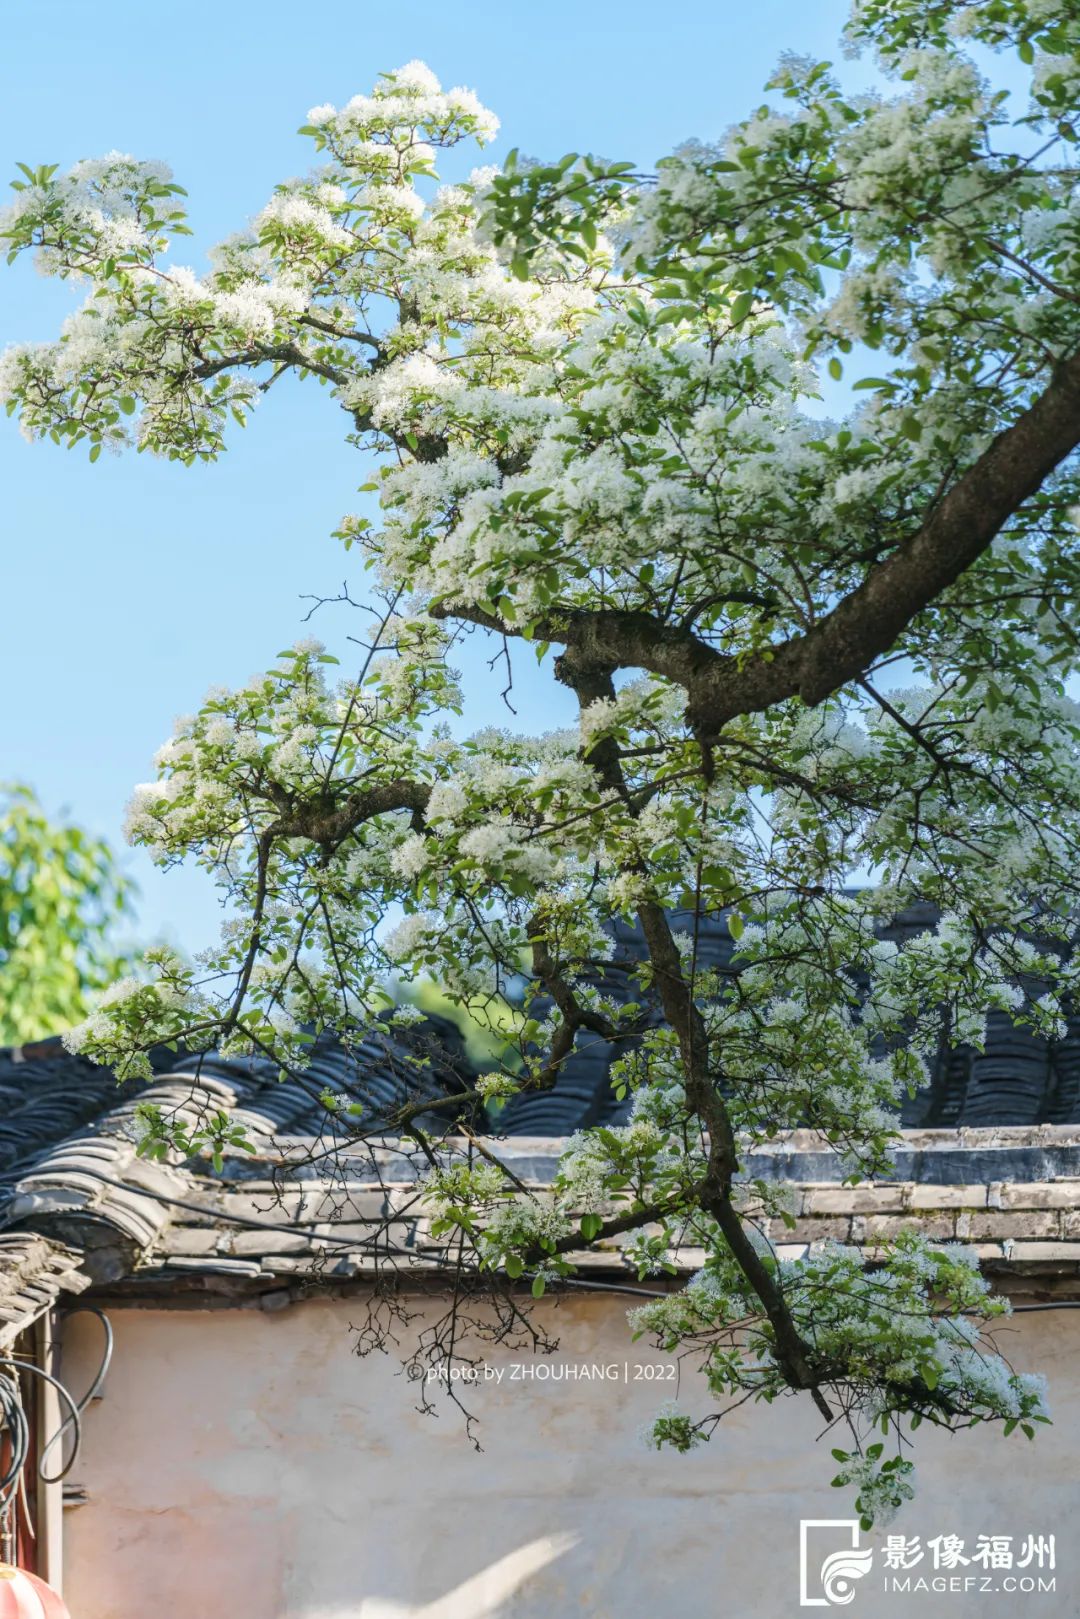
248,1466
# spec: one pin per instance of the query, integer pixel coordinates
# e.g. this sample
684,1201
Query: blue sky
131,586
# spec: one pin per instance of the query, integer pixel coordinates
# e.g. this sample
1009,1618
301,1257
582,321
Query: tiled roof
251,1239
34,1274
80,1206
991,1153
47,1095
1018,1079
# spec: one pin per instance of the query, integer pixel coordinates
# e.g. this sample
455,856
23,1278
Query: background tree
62,900
801,647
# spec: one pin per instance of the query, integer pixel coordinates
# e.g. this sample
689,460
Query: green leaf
538,1287
741,308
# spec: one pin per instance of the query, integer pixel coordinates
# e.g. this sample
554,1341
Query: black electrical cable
72,1420
1056,1304
344,1242
78,1407
361,1242
13,1415
229,1219
14,1420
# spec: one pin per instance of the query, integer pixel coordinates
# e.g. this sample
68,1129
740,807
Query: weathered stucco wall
248,1466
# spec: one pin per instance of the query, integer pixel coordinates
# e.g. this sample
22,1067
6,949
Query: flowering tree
802,648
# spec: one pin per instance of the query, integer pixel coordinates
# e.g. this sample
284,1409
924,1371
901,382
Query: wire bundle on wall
15,1432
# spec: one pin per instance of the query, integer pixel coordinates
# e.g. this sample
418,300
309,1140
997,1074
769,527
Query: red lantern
24,1596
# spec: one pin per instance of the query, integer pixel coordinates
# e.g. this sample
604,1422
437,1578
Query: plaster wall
249,1466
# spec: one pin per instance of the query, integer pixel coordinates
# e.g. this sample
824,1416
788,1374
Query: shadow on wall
481,1597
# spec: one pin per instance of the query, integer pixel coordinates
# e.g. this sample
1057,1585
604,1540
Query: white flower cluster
408,99
523,1222
496,1087
607,438
462,1186
881,1491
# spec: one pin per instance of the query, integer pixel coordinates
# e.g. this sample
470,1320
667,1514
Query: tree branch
866,623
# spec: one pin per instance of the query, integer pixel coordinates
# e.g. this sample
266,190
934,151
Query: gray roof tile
989,1126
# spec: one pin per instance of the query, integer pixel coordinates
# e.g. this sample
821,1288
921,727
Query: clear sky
132,585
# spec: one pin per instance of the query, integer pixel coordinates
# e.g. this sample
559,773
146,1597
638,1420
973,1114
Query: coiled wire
15,1424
